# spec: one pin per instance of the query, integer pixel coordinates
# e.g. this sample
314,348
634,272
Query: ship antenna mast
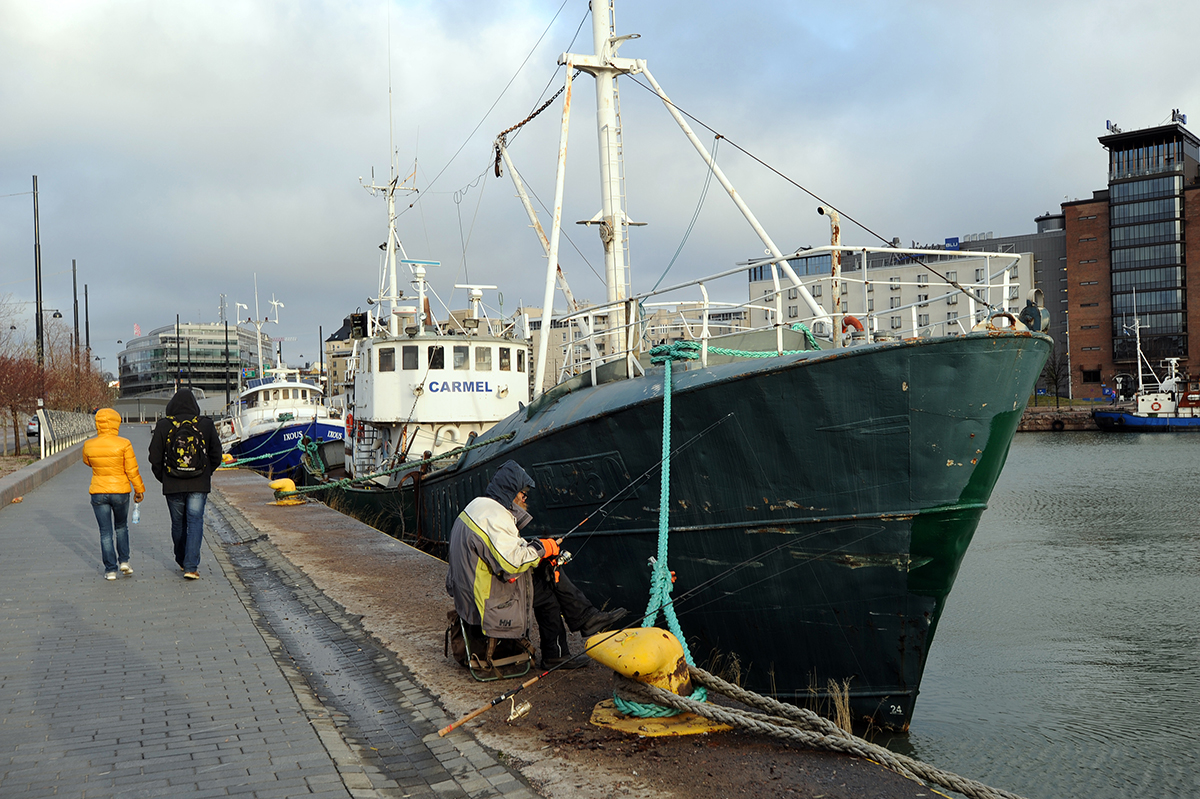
394,184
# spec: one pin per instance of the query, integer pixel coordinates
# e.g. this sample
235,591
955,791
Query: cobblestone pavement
247,682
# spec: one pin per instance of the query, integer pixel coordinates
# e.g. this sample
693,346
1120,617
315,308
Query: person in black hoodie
185,450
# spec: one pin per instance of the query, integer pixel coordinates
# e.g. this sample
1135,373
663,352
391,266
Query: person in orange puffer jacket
114,469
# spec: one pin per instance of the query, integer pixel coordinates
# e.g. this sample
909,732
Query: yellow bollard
655,657
285,485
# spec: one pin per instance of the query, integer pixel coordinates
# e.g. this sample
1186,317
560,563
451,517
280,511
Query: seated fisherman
559,604
491,573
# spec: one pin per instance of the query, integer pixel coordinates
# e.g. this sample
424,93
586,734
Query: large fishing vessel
826,478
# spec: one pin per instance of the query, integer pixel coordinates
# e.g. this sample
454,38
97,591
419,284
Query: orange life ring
852,322
1154,406
349,424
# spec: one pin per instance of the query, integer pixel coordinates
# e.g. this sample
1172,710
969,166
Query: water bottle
137,513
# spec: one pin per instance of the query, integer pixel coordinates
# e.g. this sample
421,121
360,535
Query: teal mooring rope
660,578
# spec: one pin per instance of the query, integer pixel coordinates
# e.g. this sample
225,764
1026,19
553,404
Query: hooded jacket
184,406
490,564
114,466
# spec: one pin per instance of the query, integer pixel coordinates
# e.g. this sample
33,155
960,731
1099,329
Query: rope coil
805,727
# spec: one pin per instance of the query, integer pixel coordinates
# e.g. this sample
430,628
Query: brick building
1127,250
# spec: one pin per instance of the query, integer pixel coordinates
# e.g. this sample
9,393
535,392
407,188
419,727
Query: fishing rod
640,478
479,711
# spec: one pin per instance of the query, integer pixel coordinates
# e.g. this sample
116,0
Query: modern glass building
192,354
1127,255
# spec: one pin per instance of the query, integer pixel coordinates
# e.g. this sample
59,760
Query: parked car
31,429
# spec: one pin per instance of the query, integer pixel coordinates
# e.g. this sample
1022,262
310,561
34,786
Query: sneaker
568,662
191,576
110,575
126,568
600,621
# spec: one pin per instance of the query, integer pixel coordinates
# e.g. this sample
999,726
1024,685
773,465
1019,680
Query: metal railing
997,291
58,430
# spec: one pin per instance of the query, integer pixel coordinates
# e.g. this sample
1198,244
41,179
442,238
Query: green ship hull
821,503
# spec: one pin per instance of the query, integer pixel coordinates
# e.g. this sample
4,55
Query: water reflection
1067,663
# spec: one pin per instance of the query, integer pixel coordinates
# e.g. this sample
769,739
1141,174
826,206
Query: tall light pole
75,341
37,280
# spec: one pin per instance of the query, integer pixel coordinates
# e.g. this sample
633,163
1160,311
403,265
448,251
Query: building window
951,316
895,283
793,312
870,304
923,320
816,290
408,356
793,293
1090,327
952,276
896,323
923,299
952,299
387,359
437,357
922,280
1091,349
870,286
845,306
980,275
1091,375
1014,292
845,288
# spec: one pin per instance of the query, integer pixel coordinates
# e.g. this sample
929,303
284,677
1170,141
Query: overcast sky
181,148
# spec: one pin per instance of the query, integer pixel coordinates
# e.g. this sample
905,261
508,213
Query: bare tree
1055,373
18,390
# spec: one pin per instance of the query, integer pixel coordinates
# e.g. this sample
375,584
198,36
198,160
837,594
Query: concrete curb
27,478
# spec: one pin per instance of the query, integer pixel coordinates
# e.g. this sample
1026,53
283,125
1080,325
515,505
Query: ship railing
995,288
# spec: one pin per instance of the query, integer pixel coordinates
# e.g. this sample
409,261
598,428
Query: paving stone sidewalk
155,686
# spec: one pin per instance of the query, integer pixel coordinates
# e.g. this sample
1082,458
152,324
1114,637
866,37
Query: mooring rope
798,725
408,465
661,579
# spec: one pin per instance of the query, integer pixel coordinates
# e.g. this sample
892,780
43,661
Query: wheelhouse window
387,359
505,359
520,360
437,357
408,356
462,357
483,359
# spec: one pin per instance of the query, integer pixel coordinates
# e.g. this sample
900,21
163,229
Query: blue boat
1171,406
274,415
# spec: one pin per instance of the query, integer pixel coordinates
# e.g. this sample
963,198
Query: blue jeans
187,527
112,514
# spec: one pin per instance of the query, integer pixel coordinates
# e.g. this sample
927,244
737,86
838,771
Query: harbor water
1067,663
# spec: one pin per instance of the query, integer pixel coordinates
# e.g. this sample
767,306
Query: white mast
612,212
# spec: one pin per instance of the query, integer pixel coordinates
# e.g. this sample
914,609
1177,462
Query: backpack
186,453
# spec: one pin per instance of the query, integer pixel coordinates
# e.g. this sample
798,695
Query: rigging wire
491,108
695,216
459,196
807,191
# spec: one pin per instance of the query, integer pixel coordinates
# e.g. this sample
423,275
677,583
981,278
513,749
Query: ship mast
613,221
